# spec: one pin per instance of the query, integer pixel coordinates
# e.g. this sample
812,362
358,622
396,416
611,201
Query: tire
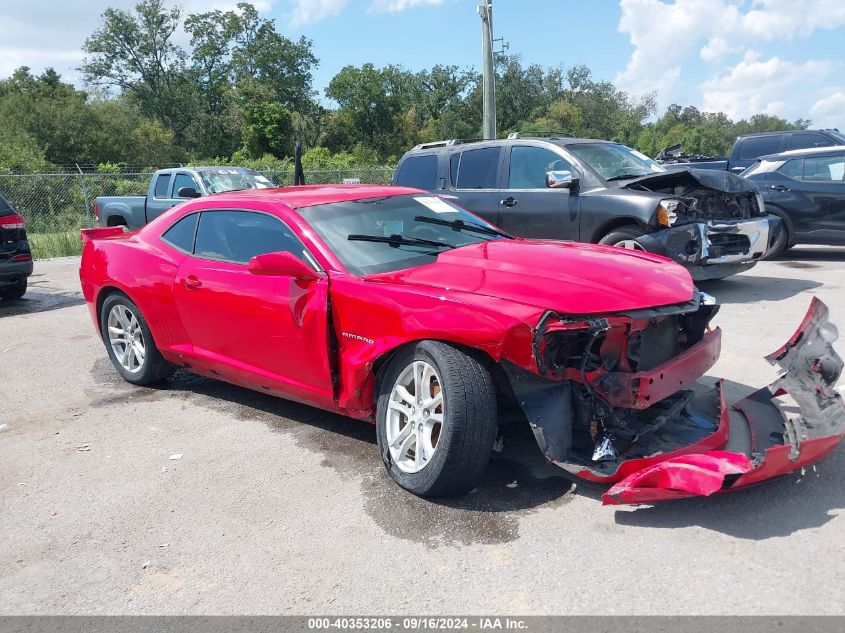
150,369
461,443
623,234
782,244
15,291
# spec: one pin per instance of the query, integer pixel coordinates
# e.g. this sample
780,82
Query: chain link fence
56,206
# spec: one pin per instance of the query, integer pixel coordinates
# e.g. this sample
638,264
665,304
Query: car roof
755,134
459,146
311,195
801,153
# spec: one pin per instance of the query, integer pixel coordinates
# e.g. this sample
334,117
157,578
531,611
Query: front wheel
624,237
130,343
436,419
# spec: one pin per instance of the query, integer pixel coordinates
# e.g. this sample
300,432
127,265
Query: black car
564,188
15,256
806,188
749,147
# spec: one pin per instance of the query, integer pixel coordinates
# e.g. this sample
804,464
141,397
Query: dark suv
15,256
564,188
806,188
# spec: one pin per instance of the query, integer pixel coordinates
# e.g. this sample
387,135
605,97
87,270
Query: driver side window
529,165
237,236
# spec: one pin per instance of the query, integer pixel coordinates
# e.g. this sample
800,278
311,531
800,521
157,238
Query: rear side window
181,234
824,169
758,146
806,140
453,169
419,172
162,186
5,209
237,236
478,168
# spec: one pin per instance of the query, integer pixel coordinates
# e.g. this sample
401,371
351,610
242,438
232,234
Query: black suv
15,256
807,189
565,188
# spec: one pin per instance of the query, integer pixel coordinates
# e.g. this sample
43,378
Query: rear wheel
436,419
130,343
14,291
624,237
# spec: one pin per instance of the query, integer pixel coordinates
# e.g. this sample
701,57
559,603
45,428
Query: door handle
191,283
510,202
778,188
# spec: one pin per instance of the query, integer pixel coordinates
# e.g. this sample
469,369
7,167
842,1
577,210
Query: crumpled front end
615,400
794,422
716,248
717,223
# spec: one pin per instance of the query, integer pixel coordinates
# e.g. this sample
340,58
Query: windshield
395,232
220,179
839,136
612,161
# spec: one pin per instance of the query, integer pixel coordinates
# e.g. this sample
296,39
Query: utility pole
485,12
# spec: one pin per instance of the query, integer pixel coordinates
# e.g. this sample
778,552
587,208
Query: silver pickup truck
169,187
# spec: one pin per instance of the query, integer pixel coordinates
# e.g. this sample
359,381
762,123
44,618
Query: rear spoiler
101,232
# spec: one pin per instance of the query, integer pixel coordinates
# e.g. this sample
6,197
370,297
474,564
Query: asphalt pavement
204,498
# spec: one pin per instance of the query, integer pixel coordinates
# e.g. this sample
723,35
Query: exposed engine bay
618,394
703,196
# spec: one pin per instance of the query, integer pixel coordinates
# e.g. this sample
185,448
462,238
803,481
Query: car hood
723,181
567,277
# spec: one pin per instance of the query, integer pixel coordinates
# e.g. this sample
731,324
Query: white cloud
395,6
310,11
717,48
757,85
47,33
829,111
665,35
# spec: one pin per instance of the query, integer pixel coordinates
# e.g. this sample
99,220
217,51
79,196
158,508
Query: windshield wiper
625,176
399,240
463,226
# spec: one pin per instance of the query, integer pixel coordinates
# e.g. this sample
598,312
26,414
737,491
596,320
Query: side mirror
188,192
561,179
282,264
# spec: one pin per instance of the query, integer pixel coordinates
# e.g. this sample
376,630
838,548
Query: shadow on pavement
749,289
38,301
801,254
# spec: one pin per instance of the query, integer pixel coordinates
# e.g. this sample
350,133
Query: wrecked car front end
716,222
615,400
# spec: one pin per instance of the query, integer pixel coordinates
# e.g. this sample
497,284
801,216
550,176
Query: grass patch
62,244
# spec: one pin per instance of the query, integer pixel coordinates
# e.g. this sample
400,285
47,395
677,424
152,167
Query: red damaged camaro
394,306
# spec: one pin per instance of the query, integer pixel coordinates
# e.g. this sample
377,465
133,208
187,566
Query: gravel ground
277,508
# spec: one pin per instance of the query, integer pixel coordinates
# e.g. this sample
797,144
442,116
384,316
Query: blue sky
783,57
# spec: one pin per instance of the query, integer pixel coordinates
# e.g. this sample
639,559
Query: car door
474,181
823,184
535,210
265,332
161,199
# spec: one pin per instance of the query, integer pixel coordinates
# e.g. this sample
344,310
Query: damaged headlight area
615,400
616,381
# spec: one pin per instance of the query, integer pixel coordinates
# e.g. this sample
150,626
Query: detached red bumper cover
794,422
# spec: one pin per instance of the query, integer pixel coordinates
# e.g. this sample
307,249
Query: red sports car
395,306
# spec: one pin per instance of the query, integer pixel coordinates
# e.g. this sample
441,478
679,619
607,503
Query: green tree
135,53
